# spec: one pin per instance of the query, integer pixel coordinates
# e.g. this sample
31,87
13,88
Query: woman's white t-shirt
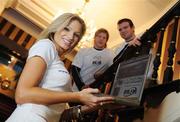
56,78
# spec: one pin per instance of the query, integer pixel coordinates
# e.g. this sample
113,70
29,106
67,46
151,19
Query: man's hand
135,42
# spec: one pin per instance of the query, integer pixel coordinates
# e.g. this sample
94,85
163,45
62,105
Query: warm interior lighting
86,41
91,28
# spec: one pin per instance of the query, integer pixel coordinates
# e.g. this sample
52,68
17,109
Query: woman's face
68,37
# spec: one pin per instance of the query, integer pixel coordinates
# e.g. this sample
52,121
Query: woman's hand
87,97
85,87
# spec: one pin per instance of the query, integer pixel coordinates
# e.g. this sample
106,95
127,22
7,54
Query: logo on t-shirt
97,60
63,71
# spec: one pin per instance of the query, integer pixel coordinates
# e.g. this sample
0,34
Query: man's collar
98,49
133,37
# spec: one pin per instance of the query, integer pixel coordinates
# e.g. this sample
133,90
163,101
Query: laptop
129,80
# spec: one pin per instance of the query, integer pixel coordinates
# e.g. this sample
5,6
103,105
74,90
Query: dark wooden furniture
7,106
154,94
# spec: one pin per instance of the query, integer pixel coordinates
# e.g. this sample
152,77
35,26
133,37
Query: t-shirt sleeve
78,59
44,49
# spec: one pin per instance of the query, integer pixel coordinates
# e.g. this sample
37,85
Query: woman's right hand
87,97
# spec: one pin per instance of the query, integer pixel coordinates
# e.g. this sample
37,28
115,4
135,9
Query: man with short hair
90,60
126,30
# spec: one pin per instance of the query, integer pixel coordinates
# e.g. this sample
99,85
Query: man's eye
66,29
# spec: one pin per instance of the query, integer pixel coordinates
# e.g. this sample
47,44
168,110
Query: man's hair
102,30
126,20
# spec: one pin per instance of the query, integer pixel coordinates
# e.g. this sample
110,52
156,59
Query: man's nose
123,30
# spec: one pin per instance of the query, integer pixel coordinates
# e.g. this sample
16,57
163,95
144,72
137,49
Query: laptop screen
130,78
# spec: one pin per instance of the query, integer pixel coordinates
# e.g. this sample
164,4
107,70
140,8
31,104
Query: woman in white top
44,86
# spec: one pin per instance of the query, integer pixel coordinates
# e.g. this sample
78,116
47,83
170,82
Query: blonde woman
44,86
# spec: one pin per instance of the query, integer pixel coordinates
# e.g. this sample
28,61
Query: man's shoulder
119,47
85,49
122,44
109,51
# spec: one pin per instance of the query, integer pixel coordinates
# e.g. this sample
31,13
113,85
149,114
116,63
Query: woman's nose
70,35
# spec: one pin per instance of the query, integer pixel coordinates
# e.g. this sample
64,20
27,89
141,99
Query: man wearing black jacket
126,30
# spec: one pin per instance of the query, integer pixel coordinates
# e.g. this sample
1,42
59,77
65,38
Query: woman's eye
77,35
66,29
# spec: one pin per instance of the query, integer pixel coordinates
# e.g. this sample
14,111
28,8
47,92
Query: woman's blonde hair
61,22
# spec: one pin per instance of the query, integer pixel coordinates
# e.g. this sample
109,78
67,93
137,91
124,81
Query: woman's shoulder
44,43
45,49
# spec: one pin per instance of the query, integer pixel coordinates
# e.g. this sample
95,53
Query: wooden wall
16,34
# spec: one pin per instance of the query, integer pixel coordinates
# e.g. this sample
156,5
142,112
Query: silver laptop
129,80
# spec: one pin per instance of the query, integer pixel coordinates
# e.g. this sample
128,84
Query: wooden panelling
177,56
26,40
3,22
30,42
5,28
10,30
21,39
16,34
